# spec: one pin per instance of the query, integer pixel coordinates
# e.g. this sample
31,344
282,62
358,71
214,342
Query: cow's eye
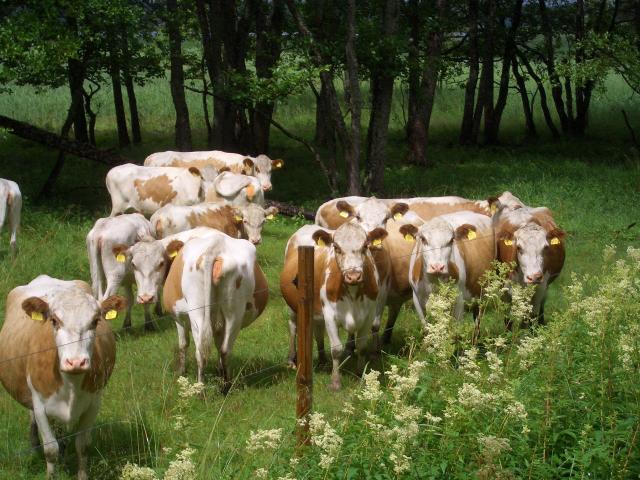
338,249
94,322
257,170
161,264
55,322
358,217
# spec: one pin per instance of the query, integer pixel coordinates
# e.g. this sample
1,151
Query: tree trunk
467,135
91,114
381,96
352,148
76,82
419,127
415,35
530,126
182,127
121,119
486,80
325,135
131,94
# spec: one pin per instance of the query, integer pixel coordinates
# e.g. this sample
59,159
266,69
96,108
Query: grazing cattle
237,222
146,189
11,202
458,246
369,212
236,189
57,354
218,283
260,166
350,285
530,238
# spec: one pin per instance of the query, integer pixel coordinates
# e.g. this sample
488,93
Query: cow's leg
14,223
158,310
336,350
128,290
148,321
232,326
393,311
318,329
293,329
458,309
34,439
83,437
183,344
420,302
538,300
362,342
48,439
202,338
350,347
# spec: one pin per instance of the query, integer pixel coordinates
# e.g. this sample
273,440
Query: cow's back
428,208
328,215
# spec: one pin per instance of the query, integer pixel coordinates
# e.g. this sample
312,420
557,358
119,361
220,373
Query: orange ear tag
121,258
471,235
37,316
111,314
397,216
555,241
508,242
344,214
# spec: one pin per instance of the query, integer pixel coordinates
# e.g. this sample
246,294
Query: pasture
592,186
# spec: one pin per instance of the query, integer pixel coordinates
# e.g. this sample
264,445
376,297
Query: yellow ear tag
344,214
321,243
397,216
471,235
493,208
377,242
111,314
238,218
121,258
555,241
269,217
278,164
173,254
409,238
37,316
508,242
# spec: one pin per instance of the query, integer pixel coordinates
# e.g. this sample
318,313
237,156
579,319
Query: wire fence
274,369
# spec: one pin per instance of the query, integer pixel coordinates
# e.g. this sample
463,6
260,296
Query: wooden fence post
304,379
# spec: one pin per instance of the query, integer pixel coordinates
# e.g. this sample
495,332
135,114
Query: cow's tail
95,265
215,269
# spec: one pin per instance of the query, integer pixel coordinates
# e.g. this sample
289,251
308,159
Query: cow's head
350,244
372,213
528,246
263,168
149,260
251,219
435,243
74,317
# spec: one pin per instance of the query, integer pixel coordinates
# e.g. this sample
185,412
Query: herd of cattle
195,257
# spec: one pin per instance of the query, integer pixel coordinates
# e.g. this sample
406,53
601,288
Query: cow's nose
534,277
256,241
436,268
76,365
145,299
267,187
352,277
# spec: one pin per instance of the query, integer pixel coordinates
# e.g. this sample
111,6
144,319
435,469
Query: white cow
236,189
260,166
218,283
57,353
11,201
146,189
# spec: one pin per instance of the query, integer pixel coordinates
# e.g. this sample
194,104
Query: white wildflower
516,409
521,306
131,471
470,396
401,463
371,389
468,364
432,418
187,389
324,437
608,253
182,468
491,447
179,422
288,476
528,348
261,473
495,365
264,440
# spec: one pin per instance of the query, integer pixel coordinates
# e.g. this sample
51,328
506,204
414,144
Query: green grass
592,185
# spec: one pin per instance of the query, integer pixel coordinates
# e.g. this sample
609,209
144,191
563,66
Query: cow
371,213
146,189
58,352
235,189
458,246
260,166
237,222
11,202
530,239
350,286
215,281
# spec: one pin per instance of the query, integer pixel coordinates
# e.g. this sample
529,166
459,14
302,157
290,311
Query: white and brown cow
237,222
350,286
215,281
260,166
57,353
11,203
531,240
146,189
235,189
458,246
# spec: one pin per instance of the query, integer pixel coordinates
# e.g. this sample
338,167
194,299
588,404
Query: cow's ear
120,251
494,204
270,213
174,248
409,232
251,192
466,232
376,236
322,238
556,236
398,210
248,163
36,308
195,172
345,209
111,306
277,164
224,169
506,238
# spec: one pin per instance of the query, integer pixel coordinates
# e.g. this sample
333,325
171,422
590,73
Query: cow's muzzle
76,365
145,299
352,277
